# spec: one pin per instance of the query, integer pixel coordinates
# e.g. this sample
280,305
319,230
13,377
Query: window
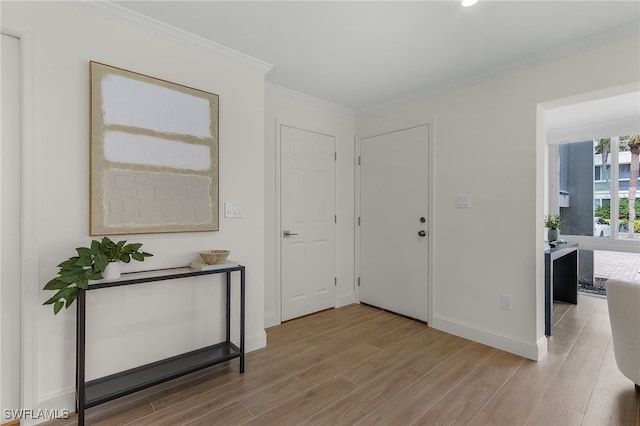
599,176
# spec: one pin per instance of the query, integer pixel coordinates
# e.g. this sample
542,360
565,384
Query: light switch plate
233,210
463,201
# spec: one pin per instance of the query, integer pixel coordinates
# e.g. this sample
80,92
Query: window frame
612,243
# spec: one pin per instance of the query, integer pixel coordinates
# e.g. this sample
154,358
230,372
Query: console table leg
242,294
80,356
228,330
548,297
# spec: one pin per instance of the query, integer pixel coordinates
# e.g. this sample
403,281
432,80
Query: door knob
422,233
287,233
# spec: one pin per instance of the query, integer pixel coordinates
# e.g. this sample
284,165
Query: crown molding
309,99
124,16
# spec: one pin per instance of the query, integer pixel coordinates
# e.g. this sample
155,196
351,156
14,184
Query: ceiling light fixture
467,3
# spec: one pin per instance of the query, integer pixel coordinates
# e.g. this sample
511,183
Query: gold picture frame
153,155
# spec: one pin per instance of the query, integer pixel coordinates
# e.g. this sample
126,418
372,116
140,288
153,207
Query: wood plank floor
360,365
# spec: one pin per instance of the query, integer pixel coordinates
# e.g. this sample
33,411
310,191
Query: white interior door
307,221
394,222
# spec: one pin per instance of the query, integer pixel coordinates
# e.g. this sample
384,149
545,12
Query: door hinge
358,281
358,220
335,156
359,160
335,281
335,218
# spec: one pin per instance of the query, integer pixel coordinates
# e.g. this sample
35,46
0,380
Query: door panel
394,198
307,212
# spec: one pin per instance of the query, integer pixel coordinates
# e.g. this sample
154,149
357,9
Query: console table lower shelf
95,392
107,388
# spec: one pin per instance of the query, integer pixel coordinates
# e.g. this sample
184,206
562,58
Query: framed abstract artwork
153,156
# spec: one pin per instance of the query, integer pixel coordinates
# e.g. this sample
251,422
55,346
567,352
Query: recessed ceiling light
467,3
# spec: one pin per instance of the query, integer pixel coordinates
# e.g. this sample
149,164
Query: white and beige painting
154,155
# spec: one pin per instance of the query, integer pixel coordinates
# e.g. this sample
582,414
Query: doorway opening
594,184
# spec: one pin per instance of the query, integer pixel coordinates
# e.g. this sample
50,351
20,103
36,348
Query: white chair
623,298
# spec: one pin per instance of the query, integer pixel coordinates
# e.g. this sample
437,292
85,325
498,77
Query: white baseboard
528,349
542,348
255,341
54,403
271,319
346,299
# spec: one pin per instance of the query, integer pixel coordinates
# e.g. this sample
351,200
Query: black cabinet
98,391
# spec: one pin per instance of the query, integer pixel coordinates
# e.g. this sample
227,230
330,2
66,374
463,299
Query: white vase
553,235
112,271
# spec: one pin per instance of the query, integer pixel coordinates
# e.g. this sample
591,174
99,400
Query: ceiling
361,54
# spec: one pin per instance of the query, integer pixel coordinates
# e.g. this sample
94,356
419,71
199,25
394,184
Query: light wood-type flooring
360,365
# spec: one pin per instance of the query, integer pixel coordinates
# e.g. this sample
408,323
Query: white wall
10,225
485,145
309,114
129,326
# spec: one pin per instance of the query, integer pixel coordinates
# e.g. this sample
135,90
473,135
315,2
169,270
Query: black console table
98,391
560,279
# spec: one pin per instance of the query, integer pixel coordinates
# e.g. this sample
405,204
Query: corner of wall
271,319
256,341
346,299
542,348
57,404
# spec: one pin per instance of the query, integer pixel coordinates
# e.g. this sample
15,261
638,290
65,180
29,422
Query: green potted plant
553,222
89,264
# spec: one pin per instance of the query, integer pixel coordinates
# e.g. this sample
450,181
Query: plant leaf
72,296
138,256
69,277
60,294
130,248
69,262
145,254
84,261
82,282
83,251
93,275
55,284
96,247
75,269
51,301
101,262
125,258
57,306
107,243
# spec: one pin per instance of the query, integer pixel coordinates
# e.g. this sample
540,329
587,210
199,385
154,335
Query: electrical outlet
505,302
